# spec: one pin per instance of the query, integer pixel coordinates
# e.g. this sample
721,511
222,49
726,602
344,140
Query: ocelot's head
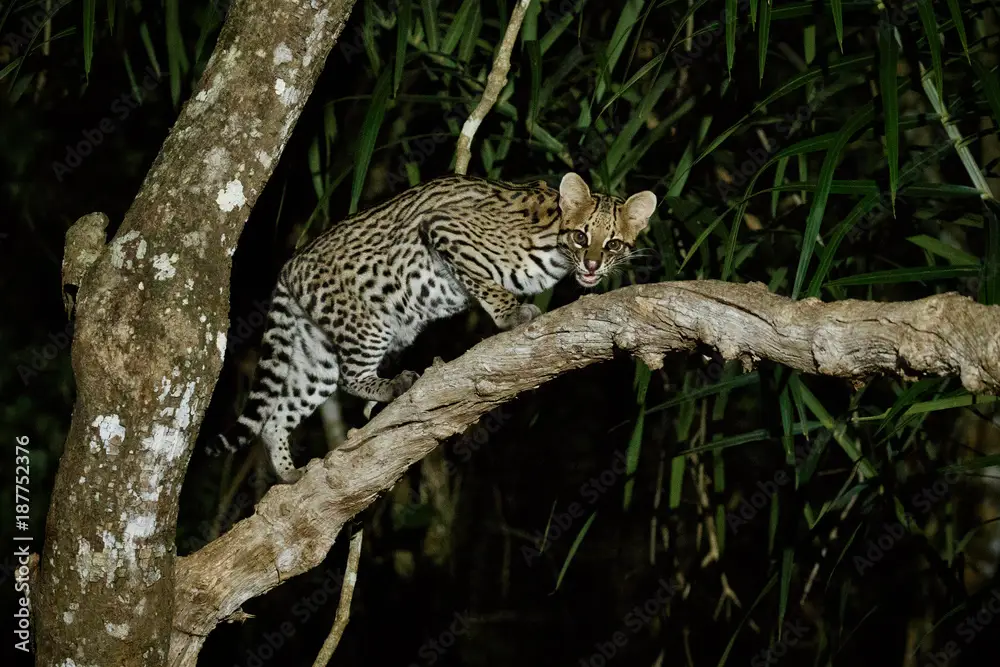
598,232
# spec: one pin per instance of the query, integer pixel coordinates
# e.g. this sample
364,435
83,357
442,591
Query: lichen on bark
152,316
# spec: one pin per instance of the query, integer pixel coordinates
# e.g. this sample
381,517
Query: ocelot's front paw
290,476
520,315
402,382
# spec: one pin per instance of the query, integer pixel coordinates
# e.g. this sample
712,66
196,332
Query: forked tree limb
295,525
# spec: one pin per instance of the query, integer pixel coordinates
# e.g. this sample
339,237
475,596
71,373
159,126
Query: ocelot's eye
580,238
614,245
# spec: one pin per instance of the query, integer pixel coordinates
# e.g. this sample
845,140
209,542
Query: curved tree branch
295,526
148,345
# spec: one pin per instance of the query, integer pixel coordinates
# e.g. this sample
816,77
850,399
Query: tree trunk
151,336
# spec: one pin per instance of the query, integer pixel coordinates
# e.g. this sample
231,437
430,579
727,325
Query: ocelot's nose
591,264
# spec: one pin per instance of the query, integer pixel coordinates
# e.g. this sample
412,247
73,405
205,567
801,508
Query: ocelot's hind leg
312,378
360,358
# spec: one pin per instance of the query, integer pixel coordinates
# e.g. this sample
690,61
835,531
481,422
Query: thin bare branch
494,84
344,606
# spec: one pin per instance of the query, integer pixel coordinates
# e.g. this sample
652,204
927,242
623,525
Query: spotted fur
370,284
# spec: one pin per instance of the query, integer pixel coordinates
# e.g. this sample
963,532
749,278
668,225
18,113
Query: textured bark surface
294,526
150,338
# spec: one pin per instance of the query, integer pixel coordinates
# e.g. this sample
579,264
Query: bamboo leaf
535,63
315,167
634,79
858,120
889,53
907,275
991,261
962,401
837,8
403,18
573,549
147,42
429,10
624,137
529,26
956,17
732,640
991,89
799,148
779,179
457,27
623,28
906,399
469,36
369,134
559,27
787,566
703,237
177,61
681,23
732,441
942,249
838,430
929,22
710,390
11,66
855,63
627,163
368,27
731,19
763,35
632,456
89,23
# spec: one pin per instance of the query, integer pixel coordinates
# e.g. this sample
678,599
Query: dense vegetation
696,515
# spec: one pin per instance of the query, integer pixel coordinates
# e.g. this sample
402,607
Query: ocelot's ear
573,193
638,209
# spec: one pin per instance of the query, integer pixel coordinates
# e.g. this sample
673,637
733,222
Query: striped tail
269,379
297,372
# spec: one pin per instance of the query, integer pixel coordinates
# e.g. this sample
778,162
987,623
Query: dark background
470,551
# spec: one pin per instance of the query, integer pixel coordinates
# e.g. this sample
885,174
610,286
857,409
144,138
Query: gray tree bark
294,526
152,318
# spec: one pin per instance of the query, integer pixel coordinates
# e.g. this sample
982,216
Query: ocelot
370,284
